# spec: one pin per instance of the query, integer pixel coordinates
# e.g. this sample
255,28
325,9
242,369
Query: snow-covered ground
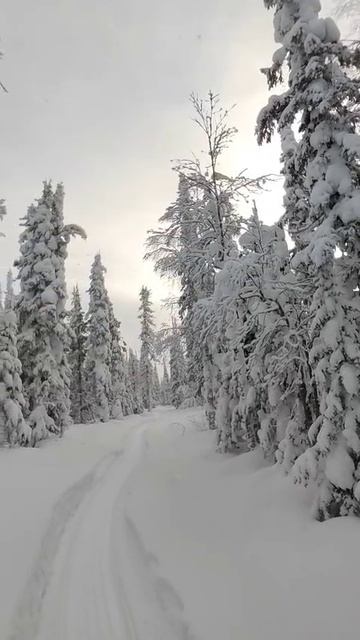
138,530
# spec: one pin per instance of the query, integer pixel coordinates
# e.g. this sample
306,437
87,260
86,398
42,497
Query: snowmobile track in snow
93,578
28,612
154,609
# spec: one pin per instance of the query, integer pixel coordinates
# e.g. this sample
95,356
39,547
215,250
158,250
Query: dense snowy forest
277,307
265,333
62,366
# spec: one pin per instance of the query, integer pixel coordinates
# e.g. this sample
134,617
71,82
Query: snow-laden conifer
156,391
147,348
178,370
176,247
322,206
13,428
127,397
36,309
9,301
61,340
118,399
165,389
77,355
40,308
196,235
134,383
98,347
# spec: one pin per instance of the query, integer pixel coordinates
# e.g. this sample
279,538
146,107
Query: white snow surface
138,530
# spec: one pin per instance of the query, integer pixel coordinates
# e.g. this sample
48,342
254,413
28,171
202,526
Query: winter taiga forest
191,472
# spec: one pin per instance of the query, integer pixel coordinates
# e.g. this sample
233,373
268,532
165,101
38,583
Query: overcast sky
98,99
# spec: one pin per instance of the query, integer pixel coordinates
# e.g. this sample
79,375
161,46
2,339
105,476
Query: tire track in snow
28,612
151,605
94,578
70,594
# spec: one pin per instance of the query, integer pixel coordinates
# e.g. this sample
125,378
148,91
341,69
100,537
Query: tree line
60,366
270,314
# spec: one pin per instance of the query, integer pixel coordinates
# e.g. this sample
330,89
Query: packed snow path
93,577
139,530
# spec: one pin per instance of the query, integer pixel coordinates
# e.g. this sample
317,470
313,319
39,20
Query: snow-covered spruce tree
127,402
323,96
156,393
119,401
98,347
178,369
203,322
60,340
40,310
221,227
224,323
176,251
77,355
36,317
257,274
196,280
147,349
9,302
165,390
13,428
134,383
253,321
173,247
277,358
197,233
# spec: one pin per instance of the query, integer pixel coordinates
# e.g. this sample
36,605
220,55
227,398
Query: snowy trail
28,613
69,594
94,577
138,530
